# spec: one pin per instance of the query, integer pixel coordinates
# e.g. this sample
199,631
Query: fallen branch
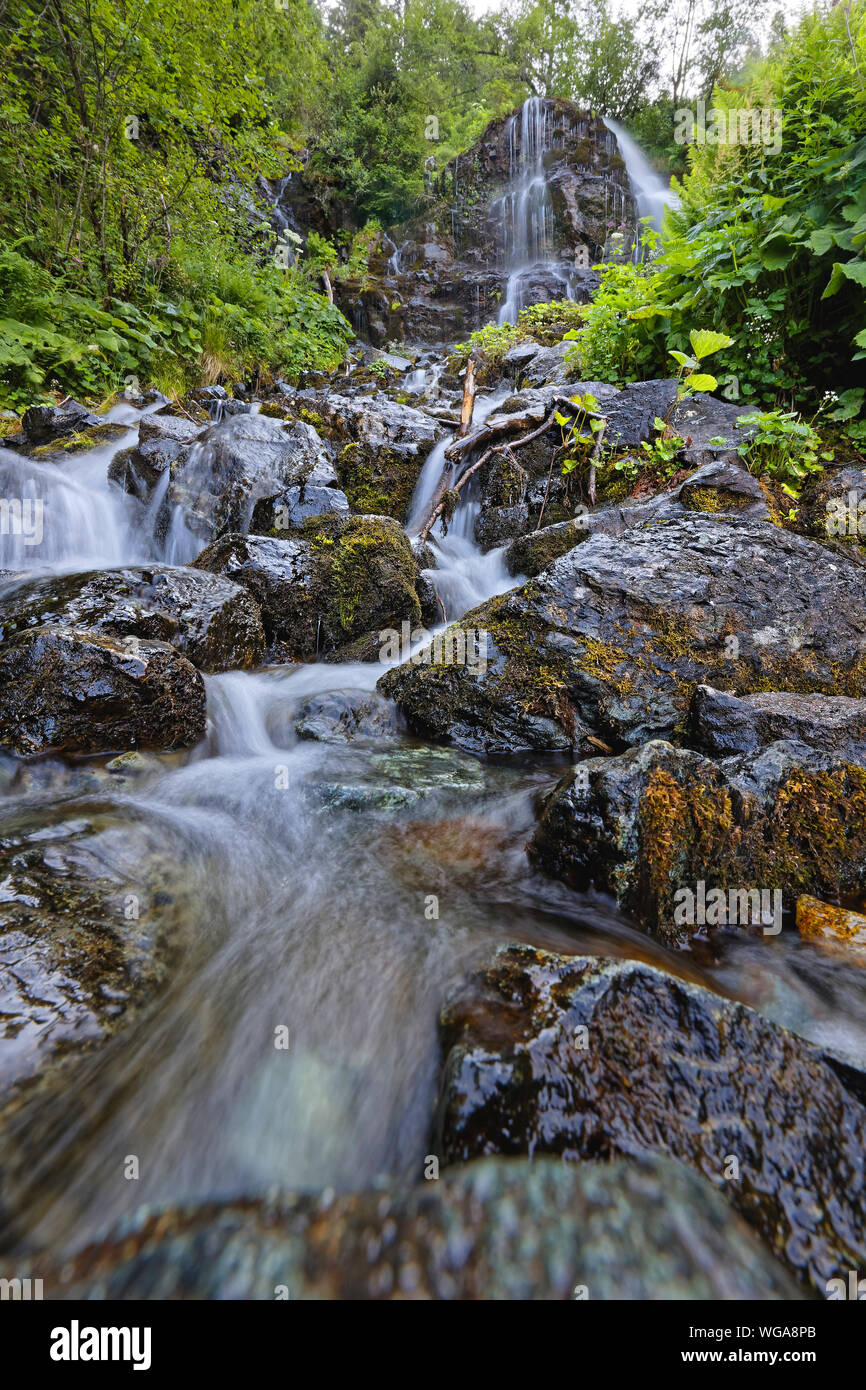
594,460
488,453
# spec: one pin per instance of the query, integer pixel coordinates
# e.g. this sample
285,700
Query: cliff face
515,220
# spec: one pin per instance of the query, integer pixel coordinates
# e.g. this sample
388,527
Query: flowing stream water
305,913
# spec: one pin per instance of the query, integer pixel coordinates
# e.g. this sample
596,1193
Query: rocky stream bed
335,965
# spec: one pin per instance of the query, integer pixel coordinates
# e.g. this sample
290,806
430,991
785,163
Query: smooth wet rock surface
589,1058
75,691
213,622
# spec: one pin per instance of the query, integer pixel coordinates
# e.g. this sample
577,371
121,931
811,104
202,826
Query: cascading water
526,209
650,191
301,869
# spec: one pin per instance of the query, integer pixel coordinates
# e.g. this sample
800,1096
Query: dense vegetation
766,247
141,145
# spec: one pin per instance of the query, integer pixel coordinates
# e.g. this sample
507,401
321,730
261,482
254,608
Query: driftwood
438,501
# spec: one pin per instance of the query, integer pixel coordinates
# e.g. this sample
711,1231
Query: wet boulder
494,526
215,623
236,463
646,1229
662,829
286,513
590,1058
164,441
78,691
381,447
331,589
42,424
282,577
84,945
711,428
722,725
613,637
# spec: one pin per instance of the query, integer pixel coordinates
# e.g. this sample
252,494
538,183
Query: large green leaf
704,342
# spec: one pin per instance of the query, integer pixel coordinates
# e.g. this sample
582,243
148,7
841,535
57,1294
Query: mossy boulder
649,825
612,639
589,1058
330,589
380,447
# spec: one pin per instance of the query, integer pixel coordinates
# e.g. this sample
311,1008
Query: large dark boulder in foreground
77,691
215,623
612,638
333,588
652,822
493,1230
589,1058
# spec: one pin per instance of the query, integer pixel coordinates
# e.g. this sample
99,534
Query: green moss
369,563
711,499
811,839
377,481
84,439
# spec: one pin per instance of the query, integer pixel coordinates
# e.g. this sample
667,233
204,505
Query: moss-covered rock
628,626
650,825
380,446
329,590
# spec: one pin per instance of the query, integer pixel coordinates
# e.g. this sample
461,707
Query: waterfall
651,194
527,209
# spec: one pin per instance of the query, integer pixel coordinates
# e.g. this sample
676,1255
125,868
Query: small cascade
62,518
650,191
464,575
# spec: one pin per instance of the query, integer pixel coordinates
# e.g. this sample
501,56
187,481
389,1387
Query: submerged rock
652,824
348,716
613,638
77,691
397,778
215,623
82,949
589,1058
492,1230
